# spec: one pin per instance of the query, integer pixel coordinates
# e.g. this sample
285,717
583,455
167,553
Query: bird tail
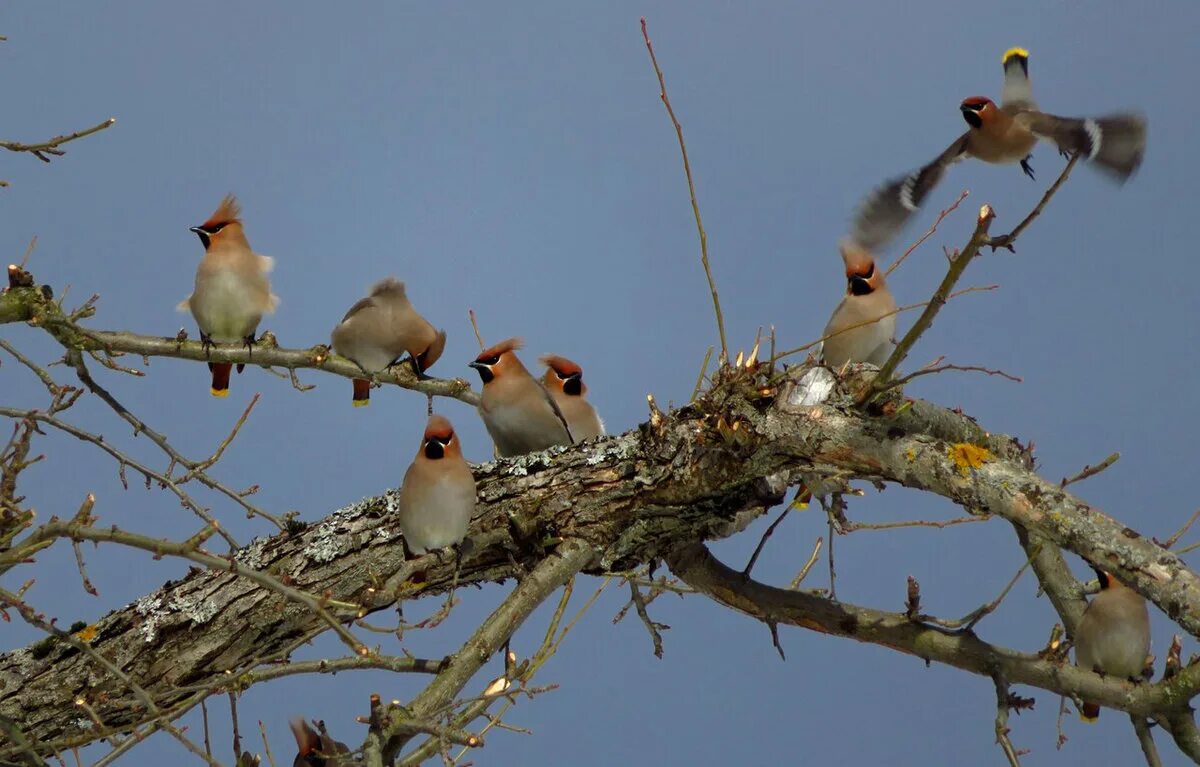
220,378
1017,90
1115,144
1090,712
362,392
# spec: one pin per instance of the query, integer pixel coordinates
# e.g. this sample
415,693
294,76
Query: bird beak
477,365
203,235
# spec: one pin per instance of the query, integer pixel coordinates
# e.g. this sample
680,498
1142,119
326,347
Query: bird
564,380
232,291
1004,134
866,315
437,497
1113,636
518,412
379,329
316,749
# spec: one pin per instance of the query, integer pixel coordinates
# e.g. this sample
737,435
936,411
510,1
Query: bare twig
687,168
763,541
1090,471
1146,740
1002,730
940,296
703,372
1007,240
475,327
928,233
51,146
934,368
850,527
652,627
1181,531
812,560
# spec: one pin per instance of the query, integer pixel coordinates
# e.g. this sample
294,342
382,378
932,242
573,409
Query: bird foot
206,342
1025,166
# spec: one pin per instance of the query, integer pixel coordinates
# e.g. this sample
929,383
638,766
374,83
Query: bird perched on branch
564,380
232,291
437,497
316,749
518,412
1113,636
862,325
1004,134
379,329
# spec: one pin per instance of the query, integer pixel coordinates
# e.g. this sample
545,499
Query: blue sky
517,160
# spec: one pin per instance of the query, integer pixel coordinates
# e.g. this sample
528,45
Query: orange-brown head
433,352
977,110
497,360
563,375
439,440
862,277
225,224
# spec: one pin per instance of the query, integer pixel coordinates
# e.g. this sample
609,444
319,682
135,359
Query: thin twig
940,296
687,169
28,251
1002,730
475,327
763,541
851,527
928,233
1006,240
640,605
703,372
812,560
1091,471
43,148
935,368
1146,740
1181,531
864,323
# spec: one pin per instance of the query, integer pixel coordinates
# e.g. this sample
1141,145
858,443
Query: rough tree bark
657,493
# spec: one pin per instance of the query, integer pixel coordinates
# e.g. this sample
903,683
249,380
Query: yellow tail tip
219,392
1015,53
361,402
1088,719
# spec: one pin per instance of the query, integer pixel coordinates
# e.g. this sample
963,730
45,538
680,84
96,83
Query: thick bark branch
696,567
679,480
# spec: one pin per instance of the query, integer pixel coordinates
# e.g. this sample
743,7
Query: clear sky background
517,160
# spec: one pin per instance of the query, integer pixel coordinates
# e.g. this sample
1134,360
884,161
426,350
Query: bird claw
1025,166
206,342
1003,241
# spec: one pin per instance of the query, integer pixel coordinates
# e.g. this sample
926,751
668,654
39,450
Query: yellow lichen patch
87,633
910,454
966,456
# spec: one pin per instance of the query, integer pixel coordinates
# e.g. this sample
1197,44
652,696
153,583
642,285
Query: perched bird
232,291
437,497
518,412
866,314
316,749
1113,637
564,381
379,329
1004,134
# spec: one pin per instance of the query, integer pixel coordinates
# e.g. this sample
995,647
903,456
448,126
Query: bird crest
438,428
859,261
227,212
388,285
975,103
560,365
507,345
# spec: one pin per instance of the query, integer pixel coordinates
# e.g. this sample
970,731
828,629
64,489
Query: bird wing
885,212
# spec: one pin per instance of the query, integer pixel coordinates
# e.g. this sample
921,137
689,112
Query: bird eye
490,360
